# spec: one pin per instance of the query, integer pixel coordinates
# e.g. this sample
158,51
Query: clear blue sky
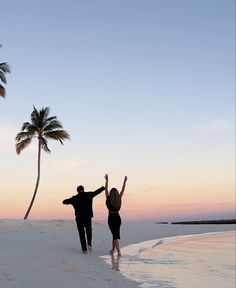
145,88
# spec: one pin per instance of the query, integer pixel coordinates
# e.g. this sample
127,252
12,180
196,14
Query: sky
145,88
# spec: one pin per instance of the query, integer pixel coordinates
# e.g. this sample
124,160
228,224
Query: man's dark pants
84,225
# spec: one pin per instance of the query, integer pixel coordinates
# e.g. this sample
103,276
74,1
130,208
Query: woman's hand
126,178
106,177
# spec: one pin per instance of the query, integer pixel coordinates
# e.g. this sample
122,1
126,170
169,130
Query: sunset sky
145,88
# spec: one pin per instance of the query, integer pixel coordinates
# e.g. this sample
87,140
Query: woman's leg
111,226
117,246
113,247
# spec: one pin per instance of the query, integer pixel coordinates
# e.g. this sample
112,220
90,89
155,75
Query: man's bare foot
85,252
90,248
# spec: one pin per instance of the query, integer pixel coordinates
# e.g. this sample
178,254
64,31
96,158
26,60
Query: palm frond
44,145
51,118
2,91
22,135
3,78
43,115
45,112
59,135
25,126
31,129
22,144
35,119
54,124
5,67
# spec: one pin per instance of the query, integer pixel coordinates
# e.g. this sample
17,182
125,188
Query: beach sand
47,253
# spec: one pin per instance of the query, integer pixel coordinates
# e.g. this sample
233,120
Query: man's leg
88,227
80,226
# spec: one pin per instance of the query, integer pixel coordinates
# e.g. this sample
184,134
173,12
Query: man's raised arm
98,191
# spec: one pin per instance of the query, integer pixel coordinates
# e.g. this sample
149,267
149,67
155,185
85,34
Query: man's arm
68,201
98,191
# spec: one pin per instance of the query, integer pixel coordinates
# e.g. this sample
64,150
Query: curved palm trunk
37,182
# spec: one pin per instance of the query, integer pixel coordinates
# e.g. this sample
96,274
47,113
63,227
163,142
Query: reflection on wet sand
115,262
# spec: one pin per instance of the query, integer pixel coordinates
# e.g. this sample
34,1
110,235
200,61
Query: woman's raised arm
106,185
123,187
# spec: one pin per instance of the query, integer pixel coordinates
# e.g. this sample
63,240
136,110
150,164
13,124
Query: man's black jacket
83,203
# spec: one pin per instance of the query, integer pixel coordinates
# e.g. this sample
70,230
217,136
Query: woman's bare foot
111,251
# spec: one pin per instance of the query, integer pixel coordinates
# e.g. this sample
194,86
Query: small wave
149,248
158,243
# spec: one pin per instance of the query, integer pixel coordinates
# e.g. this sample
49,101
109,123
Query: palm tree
44,128
4,68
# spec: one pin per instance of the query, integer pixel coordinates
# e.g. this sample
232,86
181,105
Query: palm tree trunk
37,182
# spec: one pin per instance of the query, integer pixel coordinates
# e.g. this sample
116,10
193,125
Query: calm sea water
195,261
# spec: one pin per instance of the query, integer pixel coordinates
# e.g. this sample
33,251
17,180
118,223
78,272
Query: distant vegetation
224,221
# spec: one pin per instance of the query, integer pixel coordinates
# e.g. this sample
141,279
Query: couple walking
83,205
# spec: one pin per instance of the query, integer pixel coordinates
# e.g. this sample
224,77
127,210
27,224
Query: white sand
47,253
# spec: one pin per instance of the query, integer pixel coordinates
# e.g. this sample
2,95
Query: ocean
193,261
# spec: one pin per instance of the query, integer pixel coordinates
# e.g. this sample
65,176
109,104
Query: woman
113,203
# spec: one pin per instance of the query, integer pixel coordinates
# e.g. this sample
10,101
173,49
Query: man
83,205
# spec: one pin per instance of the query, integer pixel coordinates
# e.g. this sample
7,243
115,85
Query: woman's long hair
115,198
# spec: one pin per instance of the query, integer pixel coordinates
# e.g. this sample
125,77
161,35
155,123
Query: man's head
80,188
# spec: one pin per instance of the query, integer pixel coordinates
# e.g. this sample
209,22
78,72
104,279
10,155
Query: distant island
224,221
